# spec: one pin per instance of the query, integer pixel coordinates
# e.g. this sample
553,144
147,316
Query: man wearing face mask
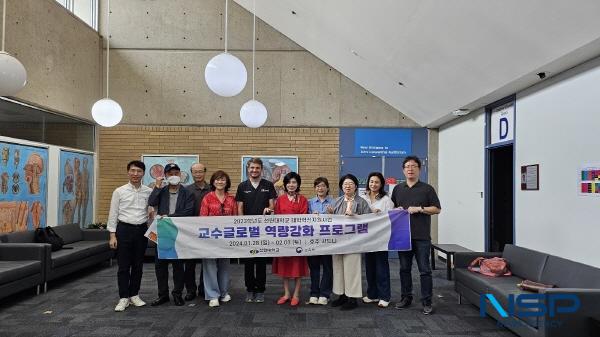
172,200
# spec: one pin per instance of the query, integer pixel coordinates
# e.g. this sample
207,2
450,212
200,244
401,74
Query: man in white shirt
127,224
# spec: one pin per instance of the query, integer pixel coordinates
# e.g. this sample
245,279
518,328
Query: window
86,10
27,122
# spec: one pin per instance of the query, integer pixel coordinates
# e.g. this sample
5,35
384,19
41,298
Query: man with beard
255,196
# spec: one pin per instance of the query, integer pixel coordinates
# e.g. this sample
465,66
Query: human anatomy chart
76,188
23,187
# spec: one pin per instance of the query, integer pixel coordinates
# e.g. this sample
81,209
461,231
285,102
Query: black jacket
159,199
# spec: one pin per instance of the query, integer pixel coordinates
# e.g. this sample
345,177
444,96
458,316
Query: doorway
500,224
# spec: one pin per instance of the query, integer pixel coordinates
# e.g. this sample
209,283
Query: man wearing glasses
199,188
421,201
127,223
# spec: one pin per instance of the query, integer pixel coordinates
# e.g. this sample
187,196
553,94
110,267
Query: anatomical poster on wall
23,187
274,169
589,180
155,166
76,188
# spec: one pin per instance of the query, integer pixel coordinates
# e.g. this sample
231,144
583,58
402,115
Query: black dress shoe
160,300
350,304
339,301
189,296
404,303
178,300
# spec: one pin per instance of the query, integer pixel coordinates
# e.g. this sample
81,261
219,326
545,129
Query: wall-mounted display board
274,169
76,189
23,187
155,166
530,177
589,180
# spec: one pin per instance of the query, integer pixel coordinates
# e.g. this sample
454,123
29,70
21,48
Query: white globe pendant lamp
106,112
225,74
253,113
13,75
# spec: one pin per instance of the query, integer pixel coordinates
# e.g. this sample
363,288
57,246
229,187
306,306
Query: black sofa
90,246
568,276
22,266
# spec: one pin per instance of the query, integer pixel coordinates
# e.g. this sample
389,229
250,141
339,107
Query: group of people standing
134,205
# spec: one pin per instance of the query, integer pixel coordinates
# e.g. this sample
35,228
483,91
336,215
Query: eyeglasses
411,166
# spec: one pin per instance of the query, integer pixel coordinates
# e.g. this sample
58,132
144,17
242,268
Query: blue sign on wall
396,143
382,142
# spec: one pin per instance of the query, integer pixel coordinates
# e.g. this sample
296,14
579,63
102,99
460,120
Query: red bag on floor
495,266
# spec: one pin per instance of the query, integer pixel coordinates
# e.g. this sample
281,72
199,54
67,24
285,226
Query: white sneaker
323,301
383,304
122,305
213,303
226,298
366,299
136,301
313,300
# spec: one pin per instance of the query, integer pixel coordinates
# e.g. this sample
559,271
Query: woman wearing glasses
216,271
347,282
293,267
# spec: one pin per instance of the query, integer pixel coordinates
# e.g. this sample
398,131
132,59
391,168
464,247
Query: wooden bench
449,250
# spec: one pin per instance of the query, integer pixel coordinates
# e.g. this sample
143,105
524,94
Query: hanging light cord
3,22
253,44
107,43
226,3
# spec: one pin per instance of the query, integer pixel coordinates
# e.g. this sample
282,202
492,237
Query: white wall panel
461,182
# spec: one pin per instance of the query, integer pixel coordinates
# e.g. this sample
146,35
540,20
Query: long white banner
279,235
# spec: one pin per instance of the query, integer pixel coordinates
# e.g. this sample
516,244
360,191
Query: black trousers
131,246
161,266
190,276
255,282
320,287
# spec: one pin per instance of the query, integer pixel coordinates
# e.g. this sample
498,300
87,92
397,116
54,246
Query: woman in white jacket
377,268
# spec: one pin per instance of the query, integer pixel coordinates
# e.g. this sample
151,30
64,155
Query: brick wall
219,148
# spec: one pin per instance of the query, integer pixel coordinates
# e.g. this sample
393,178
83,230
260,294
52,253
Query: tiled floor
83,304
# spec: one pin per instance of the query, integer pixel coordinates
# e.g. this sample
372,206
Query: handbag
495,266
534,286
48,235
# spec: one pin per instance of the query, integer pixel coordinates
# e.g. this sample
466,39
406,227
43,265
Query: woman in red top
216,271
295,266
